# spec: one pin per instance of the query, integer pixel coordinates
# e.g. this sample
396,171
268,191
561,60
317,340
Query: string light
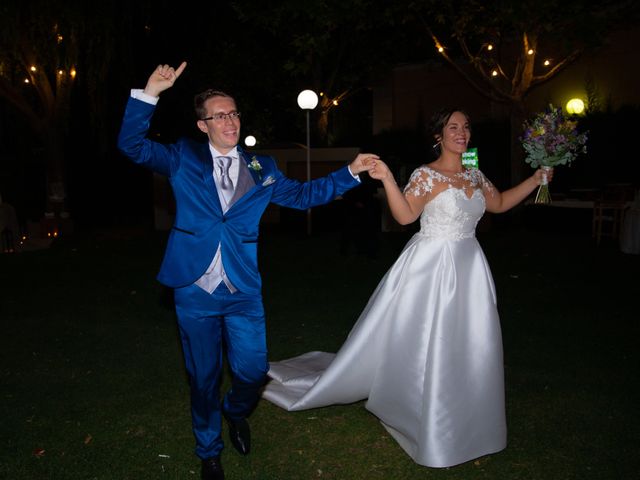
494,73
33,68
59,38
335,102
73,73
547,63
530,51
490,47
26,80
440,48
61,72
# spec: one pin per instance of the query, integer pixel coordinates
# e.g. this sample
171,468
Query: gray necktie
226,185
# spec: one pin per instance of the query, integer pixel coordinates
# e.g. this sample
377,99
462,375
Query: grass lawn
92,384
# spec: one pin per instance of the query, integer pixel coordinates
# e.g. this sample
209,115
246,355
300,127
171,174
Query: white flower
255,164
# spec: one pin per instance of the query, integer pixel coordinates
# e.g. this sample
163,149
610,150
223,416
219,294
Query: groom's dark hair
200,99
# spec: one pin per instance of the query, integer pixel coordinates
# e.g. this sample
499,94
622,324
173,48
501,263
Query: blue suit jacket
200,224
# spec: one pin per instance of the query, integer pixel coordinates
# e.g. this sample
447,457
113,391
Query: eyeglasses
219,117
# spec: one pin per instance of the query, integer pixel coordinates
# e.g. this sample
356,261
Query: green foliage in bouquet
550,139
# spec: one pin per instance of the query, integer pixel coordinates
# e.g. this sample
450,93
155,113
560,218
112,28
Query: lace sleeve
420,183
485,183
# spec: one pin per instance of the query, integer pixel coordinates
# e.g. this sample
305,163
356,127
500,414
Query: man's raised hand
162,78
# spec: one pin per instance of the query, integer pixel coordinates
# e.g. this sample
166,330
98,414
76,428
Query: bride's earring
435,145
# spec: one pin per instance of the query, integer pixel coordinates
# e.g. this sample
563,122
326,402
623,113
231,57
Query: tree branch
568,60
493,93
17,100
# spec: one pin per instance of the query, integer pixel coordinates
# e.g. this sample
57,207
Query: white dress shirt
215,273
234,171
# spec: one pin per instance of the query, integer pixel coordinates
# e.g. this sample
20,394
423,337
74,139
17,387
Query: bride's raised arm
404,208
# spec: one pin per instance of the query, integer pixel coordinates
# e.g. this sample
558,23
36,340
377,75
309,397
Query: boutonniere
268,181
254,165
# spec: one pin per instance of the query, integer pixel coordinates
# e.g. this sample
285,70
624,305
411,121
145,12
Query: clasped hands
370,163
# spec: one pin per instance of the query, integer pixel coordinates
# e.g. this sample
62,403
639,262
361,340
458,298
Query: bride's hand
380,171
362,163
541,172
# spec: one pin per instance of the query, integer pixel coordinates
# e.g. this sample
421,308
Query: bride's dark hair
436,126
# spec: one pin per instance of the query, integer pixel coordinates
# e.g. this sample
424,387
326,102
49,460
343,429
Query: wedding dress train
426,352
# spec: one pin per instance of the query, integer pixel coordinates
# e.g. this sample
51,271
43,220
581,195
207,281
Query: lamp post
308,100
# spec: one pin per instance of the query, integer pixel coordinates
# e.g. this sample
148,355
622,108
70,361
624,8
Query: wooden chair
608,211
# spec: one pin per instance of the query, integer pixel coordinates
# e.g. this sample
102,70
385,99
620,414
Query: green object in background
470,158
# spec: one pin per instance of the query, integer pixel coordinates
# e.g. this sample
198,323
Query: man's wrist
354,175
140,94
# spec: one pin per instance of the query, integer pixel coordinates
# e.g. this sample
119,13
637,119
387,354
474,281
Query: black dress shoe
239,434
212,469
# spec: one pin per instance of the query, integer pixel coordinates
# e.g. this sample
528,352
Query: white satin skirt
426,352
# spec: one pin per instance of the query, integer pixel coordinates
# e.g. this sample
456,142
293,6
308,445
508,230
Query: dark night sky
223,52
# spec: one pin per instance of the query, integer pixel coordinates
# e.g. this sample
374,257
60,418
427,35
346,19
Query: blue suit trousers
208,323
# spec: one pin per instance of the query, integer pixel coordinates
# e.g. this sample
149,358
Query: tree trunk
518,165
55,168
519,169
323,119
323,126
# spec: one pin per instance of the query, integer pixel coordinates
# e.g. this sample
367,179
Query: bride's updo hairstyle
436,125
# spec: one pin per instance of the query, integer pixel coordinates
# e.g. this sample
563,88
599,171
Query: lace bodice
457,203
452,215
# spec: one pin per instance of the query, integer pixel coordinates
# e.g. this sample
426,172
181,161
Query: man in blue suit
211,257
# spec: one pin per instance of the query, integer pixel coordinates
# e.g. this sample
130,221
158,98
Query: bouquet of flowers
550,140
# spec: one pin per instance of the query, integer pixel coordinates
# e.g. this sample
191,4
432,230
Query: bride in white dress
427,349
